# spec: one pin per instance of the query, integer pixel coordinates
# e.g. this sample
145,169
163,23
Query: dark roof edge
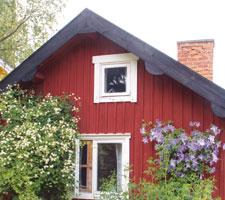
156,61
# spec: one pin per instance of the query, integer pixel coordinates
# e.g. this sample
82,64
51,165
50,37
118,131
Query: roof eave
156,62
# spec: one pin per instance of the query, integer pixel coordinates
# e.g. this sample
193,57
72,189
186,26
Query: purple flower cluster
156,133
194,124
182,154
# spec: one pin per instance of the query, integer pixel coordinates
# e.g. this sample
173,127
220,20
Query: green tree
24,26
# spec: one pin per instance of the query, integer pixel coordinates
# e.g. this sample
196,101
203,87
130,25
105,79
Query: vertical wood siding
159,97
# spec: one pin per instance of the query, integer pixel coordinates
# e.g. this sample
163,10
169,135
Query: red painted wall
159,97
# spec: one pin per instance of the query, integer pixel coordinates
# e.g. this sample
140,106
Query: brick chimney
198,55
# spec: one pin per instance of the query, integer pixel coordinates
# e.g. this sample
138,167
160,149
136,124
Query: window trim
122,138
128,60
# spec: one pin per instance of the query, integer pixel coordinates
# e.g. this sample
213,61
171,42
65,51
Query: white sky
161,23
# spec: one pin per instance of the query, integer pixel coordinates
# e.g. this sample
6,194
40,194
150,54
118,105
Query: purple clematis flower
168,128
145,140
194,124
158,123
186,153
214,158
172,163
156,134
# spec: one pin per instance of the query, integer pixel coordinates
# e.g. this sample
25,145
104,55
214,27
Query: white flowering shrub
37,145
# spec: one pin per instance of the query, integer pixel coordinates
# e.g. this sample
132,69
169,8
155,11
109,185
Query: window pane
83,178
109,164
115,79
83,154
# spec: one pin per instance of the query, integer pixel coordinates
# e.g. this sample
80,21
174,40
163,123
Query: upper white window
98,157
115,78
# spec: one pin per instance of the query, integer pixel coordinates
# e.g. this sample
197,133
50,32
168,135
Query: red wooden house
120,80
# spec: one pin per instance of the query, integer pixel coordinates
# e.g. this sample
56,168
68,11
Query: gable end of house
156,62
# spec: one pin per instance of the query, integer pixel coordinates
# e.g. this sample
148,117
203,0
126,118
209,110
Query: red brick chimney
198,55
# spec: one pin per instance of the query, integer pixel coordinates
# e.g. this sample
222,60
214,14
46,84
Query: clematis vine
184,153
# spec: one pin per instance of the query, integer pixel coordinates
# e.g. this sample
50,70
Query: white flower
212,138
201,142
57,110
142,130
215,129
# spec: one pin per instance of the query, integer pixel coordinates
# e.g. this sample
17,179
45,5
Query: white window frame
123,139
102,62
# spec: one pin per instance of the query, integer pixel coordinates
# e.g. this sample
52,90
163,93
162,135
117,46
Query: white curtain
119,165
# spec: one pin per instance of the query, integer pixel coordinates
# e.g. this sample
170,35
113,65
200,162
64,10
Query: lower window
101,157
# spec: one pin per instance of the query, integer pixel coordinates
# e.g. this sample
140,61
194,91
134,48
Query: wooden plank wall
159,97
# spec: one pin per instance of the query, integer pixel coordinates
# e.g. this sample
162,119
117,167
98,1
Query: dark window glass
83,154
109,164
83,178
115,79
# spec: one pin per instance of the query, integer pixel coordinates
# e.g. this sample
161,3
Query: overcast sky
161,23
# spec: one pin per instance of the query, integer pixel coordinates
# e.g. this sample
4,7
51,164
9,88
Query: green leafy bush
174,188
37,145
110,190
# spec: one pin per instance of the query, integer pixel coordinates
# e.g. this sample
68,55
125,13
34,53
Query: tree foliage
24,26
